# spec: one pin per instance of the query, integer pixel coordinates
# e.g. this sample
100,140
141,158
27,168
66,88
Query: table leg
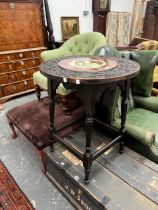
125,94
52,93
87,157
89,103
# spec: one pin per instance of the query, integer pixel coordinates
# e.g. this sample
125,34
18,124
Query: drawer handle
25,83
14,87
22,63
33,55
33,62
12,5
8,57
23,72
20,55
10,66
12,76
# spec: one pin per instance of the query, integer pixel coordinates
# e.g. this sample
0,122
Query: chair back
110,104
83,44
142,84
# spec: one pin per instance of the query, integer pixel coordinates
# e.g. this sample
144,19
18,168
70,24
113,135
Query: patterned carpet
11,196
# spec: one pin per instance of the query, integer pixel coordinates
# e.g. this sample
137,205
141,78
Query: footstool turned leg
38,92
11,125
43,165
65,105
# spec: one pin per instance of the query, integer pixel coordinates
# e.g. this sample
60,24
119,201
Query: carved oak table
90,75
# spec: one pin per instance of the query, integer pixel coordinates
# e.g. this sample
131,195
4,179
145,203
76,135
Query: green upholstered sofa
82,44
142,115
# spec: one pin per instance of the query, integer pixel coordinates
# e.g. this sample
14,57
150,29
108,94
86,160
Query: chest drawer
18,65
17,87
19,55
17,76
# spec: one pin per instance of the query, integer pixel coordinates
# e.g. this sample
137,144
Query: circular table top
89,69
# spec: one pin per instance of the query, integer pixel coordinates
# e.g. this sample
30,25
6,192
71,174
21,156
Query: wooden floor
118,182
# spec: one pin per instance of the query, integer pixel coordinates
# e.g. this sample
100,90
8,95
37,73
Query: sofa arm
141,134
150,103
52,54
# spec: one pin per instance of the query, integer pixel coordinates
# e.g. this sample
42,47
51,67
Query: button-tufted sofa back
82,44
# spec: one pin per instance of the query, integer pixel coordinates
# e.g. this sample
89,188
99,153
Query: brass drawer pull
10,66
25,83
22,63
12,5
8,57
14,87
12,76
23,72
33,61
20,55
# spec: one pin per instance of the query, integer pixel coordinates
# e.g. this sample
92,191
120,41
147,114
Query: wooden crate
118,182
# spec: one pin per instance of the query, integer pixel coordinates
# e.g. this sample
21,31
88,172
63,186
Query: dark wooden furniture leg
38,91
125,94
40,155
65,105
89,103
11,125
52,92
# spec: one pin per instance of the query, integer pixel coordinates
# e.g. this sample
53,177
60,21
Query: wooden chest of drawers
23,35
16,70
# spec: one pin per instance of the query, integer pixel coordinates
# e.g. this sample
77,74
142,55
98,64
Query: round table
90,75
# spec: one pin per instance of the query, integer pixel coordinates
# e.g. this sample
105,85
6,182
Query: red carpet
11,196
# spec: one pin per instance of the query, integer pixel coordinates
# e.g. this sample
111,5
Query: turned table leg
11,125
52,92
65,105
88,157
89,103
38,91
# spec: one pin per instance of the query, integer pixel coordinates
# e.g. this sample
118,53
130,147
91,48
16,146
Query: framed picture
69,27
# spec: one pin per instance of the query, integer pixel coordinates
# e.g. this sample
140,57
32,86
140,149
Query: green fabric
82,44
149,103
130,104
64,91
42,81
142,83
110,51
106,108
142,125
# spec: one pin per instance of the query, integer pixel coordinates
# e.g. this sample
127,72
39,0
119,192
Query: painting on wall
69,27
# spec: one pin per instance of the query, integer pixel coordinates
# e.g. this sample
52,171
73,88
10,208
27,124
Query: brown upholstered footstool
32,119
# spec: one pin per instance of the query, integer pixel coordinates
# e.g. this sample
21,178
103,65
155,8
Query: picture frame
69,27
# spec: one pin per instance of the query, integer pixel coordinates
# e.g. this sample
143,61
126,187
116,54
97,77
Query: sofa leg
65,107
11,125
38,91
40,155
